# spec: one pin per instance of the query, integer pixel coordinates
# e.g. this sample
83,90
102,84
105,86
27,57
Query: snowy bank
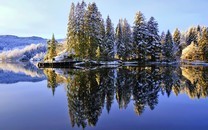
117,62
61,56
196,62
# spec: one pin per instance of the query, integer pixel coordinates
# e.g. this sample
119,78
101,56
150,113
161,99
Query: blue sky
44,17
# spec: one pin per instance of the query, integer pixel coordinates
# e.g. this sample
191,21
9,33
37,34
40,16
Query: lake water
122,98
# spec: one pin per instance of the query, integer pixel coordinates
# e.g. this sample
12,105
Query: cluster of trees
89,36
189,45
196,39
90,92
85,30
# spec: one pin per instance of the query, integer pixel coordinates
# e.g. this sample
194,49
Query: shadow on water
91,91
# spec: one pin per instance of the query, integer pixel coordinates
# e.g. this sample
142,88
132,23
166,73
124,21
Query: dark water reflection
89,92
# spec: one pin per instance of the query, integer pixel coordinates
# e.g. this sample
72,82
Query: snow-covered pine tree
51,51
162,38
168,48
199,33
53,44
162,41
177,43
203,44
139,37
108,45
102,40
191,36
71,29
80,48
127,39
154,46
119,39
198,28
177,36
183,44
92,30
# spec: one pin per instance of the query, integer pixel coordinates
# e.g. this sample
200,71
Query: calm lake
119,98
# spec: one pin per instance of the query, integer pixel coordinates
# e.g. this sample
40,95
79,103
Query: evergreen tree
140,36
177,37
119,40
93,32
71,29
75,32
191,36
203,44
102,31
81,45
162,38
51,51
127,39
177,42
168,47
154,46
53,43
108,45
198,28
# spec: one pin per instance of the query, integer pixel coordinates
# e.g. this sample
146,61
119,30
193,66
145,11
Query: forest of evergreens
89,36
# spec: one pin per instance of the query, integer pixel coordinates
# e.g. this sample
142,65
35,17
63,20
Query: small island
93,41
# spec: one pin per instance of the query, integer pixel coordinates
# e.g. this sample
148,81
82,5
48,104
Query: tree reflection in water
90,91
52,79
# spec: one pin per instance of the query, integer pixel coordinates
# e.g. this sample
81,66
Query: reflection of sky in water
32,106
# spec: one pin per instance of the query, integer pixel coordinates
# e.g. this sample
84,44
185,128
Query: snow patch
110,62
61,56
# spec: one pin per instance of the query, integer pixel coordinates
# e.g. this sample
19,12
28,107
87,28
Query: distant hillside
14,48
8,42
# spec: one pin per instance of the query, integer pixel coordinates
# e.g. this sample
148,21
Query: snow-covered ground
110,62
79,63
130,62
196,62
61,56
